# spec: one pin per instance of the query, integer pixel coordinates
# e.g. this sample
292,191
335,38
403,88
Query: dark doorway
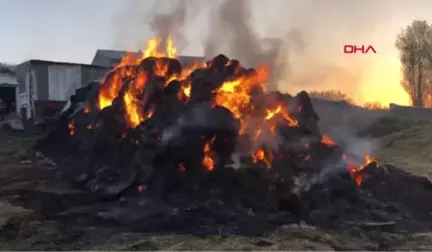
7,94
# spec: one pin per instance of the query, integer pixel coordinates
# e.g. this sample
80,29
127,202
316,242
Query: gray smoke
301,40
139,21
231,30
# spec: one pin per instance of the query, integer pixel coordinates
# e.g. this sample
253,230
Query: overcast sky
72,30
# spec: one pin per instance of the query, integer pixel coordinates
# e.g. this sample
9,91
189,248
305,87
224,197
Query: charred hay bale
173,87
306,115
203,120
307,109
253,187
121,164
147,65
116,77
203,83
157,66
152,93
166,113
174,67
183,143
111,122
233,67
308,193
85,93
219,62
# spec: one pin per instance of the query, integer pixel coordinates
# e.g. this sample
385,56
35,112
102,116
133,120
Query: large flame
236,94
114,82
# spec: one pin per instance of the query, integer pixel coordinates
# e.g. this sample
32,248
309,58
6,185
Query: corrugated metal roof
8,69
37,61
7,79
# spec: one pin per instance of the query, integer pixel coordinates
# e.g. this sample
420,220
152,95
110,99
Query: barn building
45,86
8,87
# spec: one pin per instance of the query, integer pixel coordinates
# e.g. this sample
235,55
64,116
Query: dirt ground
33,198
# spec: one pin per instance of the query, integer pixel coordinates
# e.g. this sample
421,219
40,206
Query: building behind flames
45,86
8,87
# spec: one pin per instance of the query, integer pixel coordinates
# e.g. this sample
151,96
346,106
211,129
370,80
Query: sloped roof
6,68
107,58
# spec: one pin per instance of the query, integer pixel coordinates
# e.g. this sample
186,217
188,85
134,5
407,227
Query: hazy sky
72,30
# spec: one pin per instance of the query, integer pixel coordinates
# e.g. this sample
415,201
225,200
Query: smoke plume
301,41
139,21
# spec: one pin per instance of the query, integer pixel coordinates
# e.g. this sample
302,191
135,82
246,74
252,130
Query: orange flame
184,93
356,172
86,109
112,86
154,49
280,110
208,159
133,114
186,71
328,141
235,95
261,155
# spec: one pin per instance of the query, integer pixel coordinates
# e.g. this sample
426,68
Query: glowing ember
356,172
71,127
261,155
184,93
208,159
141,188
328,141
86,109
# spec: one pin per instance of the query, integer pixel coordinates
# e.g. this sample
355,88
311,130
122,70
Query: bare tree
414,45
331,95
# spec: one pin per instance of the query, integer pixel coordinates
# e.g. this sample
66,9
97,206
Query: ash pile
185,136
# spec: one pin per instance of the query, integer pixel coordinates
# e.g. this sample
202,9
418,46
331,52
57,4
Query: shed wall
63,81
91,74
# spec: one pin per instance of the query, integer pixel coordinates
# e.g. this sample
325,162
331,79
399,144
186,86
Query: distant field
401,137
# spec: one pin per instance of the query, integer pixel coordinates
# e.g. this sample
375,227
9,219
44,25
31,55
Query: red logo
363,49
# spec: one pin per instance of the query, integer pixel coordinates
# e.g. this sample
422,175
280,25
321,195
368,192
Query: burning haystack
205,130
